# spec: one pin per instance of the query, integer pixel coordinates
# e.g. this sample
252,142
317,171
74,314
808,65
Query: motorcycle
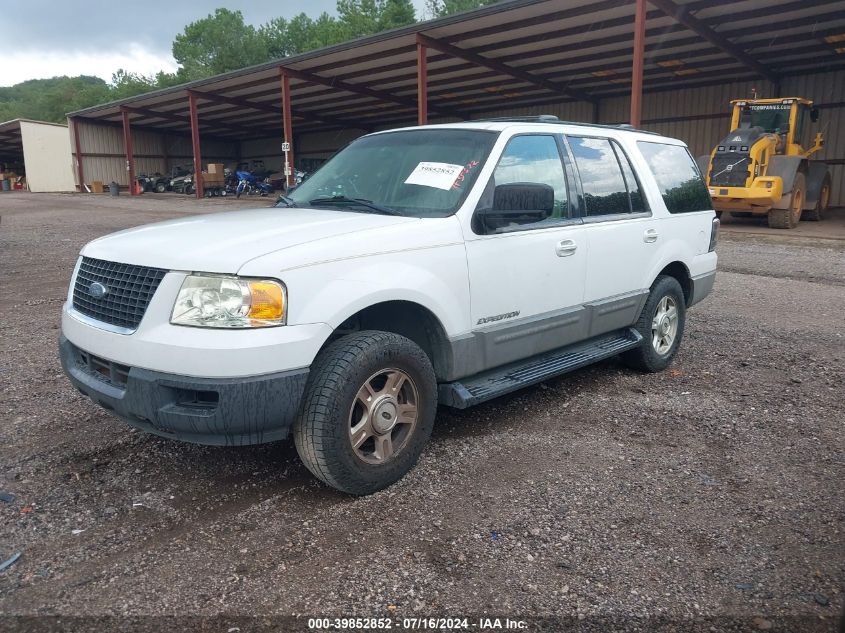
248,184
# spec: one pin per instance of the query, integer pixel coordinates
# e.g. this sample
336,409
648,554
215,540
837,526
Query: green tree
128,84
50,99
283,37
441,8
395,14
356,18
217,44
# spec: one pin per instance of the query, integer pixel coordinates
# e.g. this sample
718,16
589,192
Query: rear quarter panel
684,237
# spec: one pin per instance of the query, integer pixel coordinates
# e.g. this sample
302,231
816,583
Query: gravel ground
706,497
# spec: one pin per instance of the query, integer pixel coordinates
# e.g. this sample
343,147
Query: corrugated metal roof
578,51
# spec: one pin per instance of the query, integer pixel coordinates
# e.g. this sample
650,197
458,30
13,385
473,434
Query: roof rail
539,118
551,118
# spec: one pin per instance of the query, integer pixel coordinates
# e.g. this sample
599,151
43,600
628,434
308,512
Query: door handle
650,236
565,248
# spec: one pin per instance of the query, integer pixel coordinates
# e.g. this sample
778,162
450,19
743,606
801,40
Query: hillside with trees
219,43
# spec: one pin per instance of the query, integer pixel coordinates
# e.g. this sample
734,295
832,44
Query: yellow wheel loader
762,167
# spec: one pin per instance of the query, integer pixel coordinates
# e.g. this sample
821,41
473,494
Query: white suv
446,264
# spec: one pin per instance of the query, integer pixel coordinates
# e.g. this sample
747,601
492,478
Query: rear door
624,238
527,279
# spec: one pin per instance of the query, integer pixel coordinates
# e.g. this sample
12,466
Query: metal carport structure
42,150
582,57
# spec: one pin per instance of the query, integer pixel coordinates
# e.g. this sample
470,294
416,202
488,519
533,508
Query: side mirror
518,203
814,114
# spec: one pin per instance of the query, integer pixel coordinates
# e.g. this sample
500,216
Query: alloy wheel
383,416
664,325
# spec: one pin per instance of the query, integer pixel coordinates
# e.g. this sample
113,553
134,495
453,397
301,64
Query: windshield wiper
361,202
288,202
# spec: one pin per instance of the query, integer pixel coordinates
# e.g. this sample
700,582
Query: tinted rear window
677,175
608,181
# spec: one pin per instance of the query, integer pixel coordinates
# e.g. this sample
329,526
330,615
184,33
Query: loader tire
817,213
788,218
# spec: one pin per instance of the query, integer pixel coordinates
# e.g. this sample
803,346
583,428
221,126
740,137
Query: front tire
816,214
788,218
368,409
661,325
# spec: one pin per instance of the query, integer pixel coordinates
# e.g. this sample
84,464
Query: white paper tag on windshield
438,175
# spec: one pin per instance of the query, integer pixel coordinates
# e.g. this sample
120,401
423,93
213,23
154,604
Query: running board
497,382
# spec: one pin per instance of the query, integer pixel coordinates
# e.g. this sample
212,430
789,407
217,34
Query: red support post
195,142
637,70
127,148
80,173
422,83
287,124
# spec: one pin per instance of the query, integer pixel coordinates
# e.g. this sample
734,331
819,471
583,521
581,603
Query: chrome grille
128,291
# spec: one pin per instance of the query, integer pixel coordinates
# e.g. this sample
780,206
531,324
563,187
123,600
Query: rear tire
368,409
661,325
816,214
160,187
788,218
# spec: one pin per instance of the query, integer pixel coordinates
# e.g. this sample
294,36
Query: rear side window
677,176
608,181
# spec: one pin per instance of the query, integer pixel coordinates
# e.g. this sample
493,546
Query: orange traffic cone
138,188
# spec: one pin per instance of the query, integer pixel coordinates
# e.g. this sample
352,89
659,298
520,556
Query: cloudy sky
96,37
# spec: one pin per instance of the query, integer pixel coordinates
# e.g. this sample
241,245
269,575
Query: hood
224,242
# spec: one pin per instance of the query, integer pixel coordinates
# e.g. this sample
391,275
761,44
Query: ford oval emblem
97,290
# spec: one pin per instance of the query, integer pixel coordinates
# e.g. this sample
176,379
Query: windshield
423,173
772,117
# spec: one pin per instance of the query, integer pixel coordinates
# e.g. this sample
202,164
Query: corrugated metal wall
699,116
103,156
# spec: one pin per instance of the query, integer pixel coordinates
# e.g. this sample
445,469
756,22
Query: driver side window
527,189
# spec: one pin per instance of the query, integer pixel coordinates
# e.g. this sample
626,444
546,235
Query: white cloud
22,65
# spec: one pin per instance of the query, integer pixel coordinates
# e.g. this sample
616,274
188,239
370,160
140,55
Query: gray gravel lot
710,494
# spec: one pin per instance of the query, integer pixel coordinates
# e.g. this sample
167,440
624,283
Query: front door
527,277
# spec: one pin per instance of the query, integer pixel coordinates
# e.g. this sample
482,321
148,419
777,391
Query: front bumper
762,195
218,411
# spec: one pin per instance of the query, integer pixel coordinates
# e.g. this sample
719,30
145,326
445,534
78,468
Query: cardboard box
97,186
215,168
212,179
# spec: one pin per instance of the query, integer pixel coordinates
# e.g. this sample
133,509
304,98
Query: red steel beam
637,69
242,103
287,123
422,83
80,173
195,142
503,69
360,89
128,150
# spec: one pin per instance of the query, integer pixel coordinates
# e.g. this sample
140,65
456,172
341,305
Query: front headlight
230,302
